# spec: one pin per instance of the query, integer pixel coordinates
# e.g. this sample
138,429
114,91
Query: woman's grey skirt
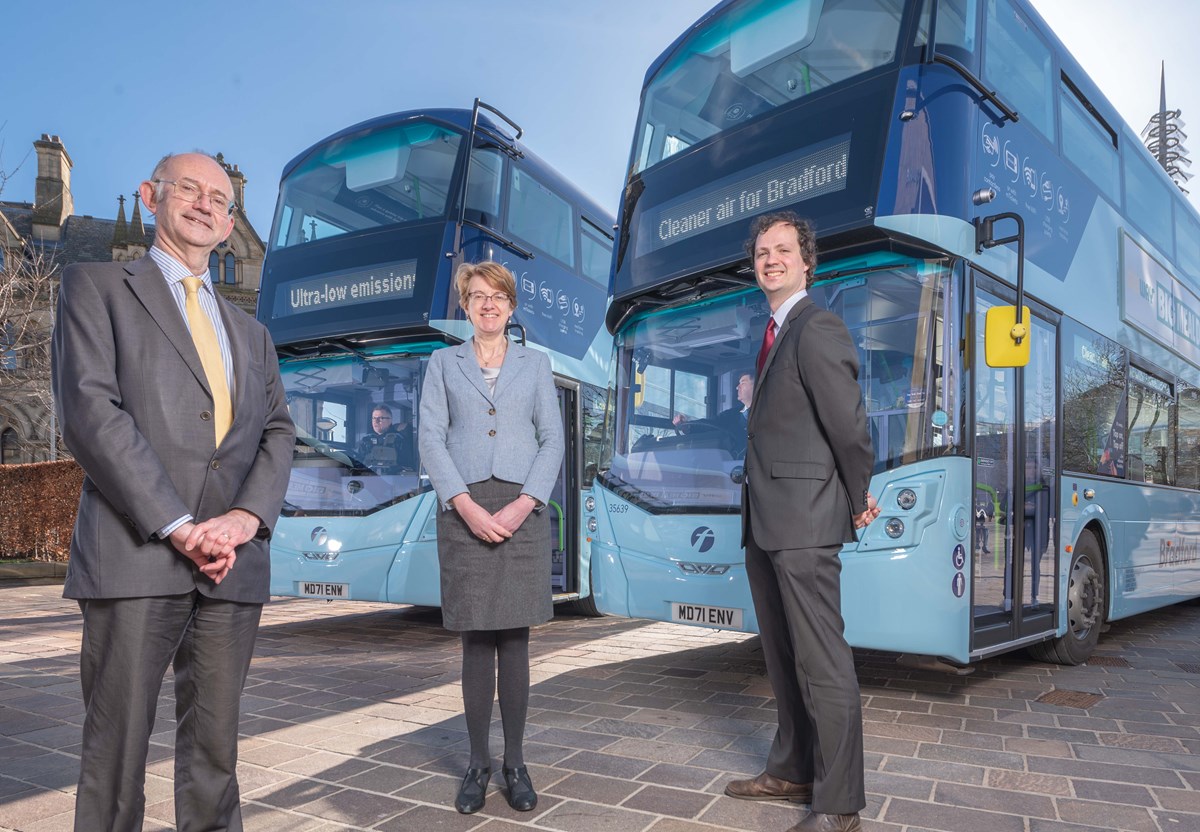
494,586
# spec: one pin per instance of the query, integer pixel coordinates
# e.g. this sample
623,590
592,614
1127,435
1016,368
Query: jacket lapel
795,311
465,353
514,362
150,287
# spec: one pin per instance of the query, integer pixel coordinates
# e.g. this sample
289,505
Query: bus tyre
1087,602
585,607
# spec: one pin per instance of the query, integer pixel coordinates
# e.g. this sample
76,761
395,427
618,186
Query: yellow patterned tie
205,339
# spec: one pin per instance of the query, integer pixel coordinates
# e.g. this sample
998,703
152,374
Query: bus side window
1094,406
1016,63
595,251
540,217
483,186
1187,420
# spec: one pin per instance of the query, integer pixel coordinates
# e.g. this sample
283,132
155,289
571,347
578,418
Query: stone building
40,238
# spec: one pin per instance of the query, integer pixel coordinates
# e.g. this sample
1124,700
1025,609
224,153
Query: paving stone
576,816
356,807
431,819
950,818
663,801
1107,815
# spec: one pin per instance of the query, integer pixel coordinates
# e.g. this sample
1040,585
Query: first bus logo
703,538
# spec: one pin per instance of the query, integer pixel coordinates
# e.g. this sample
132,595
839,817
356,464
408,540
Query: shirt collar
780,314
173,270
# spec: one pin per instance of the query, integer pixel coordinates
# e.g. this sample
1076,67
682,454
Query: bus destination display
385,282
810,172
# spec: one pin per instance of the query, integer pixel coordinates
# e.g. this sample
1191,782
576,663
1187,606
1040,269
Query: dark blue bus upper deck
869,122
367,222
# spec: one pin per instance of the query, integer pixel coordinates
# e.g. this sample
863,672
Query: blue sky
261,80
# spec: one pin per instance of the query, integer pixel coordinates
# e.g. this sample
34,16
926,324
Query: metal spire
1164,138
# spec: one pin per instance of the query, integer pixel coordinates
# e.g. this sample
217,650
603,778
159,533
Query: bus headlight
592,525
589,503
906,499
894,527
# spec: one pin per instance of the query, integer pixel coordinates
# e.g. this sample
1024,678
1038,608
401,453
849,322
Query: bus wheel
1086,605
585,607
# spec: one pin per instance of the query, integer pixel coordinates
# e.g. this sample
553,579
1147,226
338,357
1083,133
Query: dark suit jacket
808,457
136,412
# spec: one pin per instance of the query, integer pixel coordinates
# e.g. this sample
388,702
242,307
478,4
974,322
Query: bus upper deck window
769,31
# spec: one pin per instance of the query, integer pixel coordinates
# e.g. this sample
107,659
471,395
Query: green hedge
37,509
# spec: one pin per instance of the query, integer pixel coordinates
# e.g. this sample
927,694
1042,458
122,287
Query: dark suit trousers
127,645
797,597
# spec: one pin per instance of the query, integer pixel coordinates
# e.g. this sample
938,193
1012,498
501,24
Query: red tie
768,340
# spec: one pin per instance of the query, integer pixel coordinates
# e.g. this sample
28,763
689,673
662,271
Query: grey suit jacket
808,455
468,434
136,412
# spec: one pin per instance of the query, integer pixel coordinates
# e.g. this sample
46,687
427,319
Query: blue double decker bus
955,160
357,291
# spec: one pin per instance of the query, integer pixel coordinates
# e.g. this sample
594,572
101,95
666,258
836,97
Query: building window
214,268
8,346
8,446
230,269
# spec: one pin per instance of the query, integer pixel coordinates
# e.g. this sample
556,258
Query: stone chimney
53,202
237,179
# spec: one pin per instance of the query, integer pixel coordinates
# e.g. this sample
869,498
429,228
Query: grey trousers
819,740
127,645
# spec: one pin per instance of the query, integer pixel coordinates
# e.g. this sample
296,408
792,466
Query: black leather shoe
521,795
472,794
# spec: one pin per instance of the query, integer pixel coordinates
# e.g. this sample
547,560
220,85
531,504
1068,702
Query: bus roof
460,119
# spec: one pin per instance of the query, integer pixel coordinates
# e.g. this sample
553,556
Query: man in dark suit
808,466
170,399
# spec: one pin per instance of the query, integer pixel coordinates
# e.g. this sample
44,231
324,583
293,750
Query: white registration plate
726,617
316,589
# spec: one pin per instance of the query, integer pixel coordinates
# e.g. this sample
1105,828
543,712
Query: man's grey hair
160,188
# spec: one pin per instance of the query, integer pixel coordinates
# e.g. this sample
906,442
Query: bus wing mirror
1005,341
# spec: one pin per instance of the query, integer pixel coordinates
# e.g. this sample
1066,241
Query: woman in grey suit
491,441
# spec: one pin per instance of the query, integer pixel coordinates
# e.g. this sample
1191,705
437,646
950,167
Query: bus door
564,499
1015,558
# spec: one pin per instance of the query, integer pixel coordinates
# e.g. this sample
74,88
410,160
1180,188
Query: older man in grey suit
808,465
170,399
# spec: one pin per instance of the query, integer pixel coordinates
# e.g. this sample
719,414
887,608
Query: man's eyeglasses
499,298
190,192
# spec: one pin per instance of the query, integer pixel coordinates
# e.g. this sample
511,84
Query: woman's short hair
493,274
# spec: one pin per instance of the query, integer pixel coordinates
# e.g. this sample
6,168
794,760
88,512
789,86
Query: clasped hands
494,528
212,544
864,519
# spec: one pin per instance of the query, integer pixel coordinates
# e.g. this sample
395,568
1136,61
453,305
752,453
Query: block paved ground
351,721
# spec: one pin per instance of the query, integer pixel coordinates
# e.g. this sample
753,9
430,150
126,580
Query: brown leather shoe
766,787
818,822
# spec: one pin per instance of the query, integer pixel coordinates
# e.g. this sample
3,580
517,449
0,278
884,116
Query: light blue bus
357,291
1022,506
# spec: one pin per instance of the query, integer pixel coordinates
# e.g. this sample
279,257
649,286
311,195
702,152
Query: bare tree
28,284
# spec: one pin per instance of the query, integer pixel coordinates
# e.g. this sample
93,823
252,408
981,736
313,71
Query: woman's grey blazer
468,433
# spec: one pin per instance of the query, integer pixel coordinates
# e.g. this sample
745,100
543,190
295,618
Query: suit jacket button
491,433
205,416
216,463
491,411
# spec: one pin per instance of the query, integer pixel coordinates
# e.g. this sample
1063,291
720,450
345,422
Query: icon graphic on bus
703,538
958,584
